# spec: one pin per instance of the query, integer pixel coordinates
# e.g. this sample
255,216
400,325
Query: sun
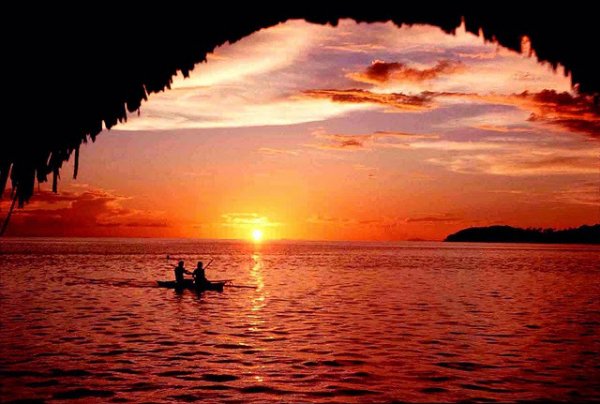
257,235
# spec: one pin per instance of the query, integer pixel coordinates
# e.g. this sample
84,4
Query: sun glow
361,128
257,235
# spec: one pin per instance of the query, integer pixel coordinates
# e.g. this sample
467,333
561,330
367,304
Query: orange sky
359,132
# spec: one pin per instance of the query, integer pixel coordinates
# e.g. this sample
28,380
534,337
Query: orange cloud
242,220
433,219
340,221
355,47
344,142
389,223
367,141
93,212
502,128
269,151
564,164
404,102
492,54
329,220
522,162
575,113
381,72
368,169
582,193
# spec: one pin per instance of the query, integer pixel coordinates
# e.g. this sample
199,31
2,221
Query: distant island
507,234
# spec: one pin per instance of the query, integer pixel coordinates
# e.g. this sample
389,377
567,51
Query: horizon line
223,239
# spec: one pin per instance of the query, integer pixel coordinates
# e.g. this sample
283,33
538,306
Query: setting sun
257,235
306,204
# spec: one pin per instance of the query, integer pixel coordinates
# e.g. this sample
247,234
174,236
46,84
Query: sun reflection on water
256,271
257,299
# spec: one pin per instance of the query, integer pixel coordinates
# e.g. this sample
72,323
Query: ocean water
82,321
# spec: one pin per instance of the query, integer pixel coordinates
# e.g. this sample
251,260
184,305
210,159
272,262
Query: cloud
433,219
475,54
255,81
330,220
509,191
580,125
562,163
362,167
343,142
522,161
450,145
581,193
340,221
404,102
385,223
88,213
354,47
495,155
379,139
570,112
247,83
233,108
574,113
242,220
403,135
261,53
551,100
382,72
45,198
502,128
274,152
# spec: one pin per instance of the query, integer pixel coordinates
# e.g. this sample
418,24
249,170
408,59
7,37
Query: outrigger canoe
189,284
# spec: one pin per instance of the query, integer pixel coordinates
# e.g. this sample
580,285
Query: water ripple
330,322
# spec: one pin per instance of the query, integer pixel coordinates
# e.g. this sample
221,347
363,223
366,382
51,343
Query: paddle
179,259
241,286
231,285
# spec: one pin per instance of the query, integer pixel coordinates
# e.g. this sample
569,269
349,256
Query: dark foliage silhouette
507,234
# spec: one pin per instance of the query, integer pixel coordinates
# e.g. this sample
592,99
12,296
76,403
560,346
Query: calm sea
82,319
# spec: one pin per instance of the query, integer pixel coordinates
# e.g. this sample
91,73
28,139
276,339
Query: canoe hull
189,284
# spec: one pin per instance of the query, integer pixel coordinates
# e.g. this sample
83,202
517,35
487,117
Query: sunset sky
355,132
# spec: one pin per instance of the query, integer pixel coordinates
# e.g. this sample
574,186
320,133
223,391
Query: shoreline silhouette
507,234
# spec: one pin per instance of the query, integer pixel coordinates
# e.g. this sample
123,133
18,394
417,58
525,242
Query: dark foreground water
81,319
